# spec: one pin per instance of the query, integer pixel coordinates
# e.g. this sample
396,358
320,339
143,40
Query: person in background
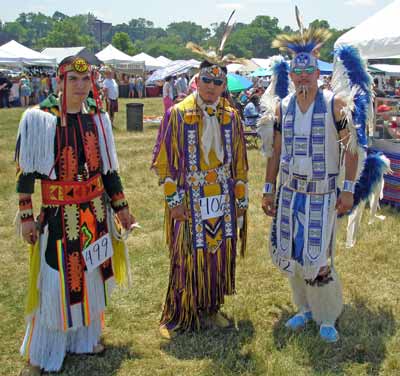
5,86
132,84
174,88
181,86
44,88
251,111
111,93
35,81
378,92
168,96
25,90
139,86
53,81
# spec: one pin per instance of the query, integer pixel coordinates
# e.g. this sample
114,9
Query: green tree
16,31
58,16
122,41
70,32
38,25
319,24
188,31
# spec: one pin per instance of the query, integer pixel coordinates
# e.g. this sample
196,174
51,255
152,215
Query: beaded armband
241,195
269,188
173,200
349,186
26,210
119,202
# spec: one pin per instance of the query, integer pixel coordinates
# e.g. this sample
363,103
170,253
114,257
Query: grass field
259,345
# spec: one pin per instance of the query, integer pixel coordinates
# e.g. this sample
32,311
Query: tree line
37,30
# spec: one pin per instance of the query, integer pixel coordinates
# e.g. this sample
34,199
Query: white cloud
361,3
230,5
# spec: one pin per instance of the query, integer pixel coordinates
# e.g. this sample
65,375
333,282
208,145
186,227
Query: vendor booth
378,37
124,66
16,54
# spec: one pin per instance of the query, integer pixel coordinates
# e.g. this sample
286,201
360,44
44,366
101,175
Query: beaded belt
71,192
311,186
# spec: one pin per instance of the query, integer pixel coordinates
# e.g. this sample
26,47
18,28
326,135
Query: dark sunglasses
216,81
308,70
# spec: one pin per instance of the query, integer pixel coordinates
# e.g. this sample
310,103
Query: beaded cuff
269,188
119,202
349,186
242,203
173,200
26,210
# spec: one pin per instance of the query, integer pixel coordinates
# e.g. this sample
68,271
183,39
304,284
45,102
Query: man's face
305,77
210,88
78,87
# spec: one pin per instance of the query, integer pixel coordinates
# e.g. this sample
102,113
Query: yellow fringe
32,299
119,262
243,236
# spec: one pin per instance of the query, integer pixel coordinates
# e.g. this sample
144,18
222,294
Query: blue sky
339,13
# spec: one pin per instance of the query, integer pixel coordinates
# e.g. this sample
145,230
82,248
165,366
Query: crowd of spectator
25,89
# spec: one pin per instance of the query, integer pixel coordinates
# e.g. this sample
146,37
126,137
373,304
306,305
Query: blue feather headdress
352,82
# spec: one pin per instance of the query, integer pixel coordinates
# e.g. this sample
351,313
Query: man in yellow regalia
200,159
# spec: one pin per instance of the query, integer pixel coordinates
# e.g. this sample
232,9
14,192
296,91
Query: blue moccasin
299,321
328,333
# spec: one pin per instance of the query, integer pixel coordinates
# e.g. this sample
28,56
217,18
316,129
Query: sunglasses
308,70
216,81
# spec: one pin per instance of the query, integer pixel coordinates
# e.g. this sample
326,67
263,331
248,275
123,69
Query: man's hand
126,218
29,232
179,213
268,204
345,202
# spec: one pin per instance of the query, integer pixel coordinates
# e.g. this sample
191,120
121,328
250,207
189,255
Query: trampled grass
259,345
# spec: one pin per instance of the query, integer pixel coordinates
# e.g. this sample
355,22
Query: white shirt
167,90
302,127
112,88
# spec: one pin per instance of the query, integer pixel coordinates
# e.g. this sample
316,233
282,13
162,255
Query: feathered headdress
216,56
306,40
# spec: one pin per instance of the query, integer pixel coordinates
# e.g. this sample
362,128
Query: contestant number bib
98,252
285,265
212,207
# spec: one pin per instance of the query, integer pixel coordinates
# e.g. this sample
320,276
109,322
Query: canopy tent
261,72
325,67
390,70
237,83
163,60
60,53
263,63
150,62
111,55
25,55
234,67
174,68
8,59
378,36
120,61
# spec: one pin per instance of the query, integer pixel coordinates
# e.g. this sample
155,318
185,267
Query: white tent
60,53
151,62
234,67
263,63
163,60
390,70
9,59
378,36
26,55
111,55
